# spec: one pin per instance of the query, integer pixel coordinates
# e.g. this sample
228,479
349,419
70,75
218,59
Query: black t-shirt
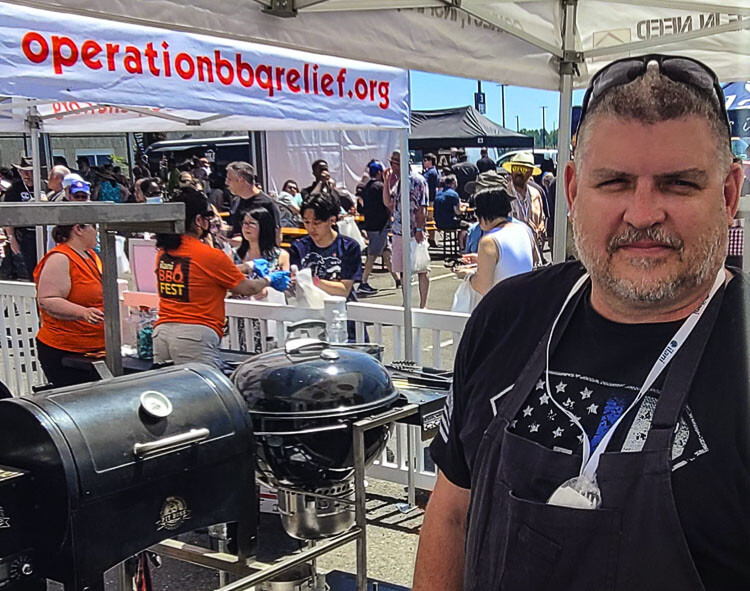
465,172
595,372
18,192
342,259
240,206
377,215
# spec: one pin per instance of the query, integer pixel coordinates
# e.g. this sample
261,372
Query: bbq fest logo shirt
173,277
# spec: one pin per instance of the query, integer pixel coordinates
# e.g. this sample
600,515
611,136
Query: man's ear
732,189
571,184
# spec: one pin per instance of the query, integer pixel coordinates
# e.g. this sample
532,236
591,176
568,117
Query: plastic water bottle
338,328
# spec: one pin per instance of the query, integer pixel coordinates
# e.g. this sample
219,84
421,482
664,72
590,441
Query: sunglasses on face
678,69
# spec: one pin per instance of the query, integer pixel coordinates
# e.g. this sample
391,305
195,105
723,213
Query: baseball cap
374,167
71,178
79,187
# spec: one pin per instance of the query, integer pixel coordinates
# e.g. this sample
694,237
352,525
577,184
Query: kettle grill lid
312,378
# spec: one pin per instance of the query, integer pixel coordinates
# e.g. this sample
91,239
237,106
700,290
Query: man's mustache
653,234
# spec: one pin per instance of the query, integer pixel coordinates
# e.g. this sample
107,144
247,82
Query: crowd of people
233,243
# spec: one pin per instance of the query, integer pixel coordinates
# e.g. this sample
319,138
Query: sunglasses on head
677,68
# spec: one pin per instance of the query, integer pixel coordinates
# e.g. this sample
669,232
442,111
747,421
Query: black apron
634,541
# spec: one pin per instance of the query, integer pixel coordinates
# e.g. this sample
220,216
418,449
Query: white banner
65,57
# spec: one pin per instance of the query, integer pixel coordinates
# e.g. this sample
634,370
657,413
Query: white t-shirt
514,250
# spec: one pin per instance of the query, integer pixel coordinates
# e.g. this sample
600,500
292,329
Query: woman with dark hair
507,247
192,281
69,294
259,240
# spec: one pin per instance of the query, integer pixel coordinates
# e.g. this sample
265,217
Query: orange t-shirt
192,282
76,336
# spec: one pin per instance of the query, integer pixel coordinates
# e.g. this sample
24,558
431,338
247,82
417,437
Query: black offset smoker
96,473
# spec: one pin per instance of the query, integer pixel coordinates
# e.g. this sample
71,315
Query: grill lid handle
142,450
304,345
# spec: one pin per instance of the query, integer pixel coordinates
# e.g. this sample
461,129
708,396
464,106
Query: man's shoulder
348,244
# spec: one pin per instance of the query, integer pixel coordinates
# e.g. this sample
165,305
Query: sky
436,91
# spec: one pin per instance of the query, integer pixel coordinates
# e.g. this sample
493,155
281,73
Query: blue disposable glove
260,268
279,280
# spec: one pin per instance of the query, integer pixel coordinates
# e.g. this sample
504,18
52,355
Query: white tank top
515,255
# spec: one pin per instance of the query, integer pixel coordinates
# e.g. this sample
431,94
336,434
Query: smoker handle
141,450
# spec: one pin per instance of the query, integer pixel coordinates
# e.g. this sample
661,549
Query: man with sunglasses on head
192,281
597,435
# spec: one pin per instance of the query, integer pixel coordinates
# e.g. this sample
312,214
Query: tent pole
403,145
567,70
129,148
32,122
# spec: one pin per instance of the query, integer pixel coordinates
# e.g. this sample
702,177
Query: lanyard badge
582,491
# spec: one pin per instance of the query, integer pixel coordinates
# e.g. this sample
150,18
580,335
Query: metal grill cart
253,574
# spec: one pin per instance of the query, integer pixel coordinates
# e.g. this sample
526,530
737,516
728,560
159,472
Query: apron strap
679,379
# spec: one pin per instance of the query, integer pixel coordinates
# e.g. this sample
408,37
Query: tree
537,135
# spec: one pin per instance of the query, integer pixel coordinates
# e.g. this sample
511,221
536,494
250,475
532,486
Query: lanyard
589,461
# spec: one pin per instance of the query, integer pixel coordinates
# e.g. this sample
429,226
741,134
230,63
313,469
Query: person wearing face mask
192,282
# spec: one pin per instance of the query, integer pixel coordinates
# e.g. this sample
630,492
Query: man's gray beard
707,259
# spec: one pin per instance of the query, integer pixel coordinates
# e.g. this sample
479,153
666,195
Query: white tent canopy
549,44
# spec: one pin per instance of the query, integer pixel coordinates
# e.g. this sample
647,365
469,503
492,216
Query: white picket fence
436,336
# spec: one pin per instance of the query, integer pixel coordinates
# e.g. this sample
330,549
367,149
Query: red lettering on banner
340,79
264,77
89,50
224,69
35,57
384,91
205,68
279,76
58,59
292,80
133,62
326,80
150,53
244,68
360,88
184,72
165,57
112,50
373,86
315,79
307,78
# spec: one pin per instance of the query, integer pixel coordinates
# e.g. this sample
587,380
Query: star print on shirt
557,432
544,399
534,428
568,404
586,393
560,388
540,385
593,408
527,411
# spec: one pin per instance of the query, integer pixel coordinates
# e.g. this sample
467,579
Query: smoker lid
312,378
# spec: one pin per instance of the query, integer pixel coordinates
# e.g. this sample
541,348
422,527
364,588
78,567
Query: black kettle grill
303,400
109,468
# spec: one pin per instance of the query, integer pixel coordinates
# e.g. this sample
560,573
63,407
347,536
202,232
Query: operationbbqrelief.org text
220,68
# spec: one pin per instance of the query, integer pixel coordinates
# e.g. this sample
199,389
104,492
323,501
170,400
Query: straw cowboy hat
490,180
525,159
25,164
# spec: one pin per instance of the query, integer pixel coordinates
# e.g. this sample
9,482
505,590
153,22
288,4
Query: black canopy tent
461,127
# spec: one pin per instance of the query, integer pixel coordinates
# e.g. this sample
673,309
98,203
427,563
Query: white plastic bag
123,265
308,295
420,256
348,227
465,299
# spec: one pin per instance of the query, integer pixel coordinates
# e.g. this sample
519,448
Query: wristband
419,230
